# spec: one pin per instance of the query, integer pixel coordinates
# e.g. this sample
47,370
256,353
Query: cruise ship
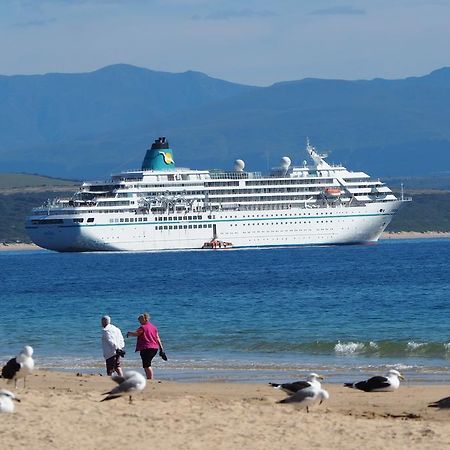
162,207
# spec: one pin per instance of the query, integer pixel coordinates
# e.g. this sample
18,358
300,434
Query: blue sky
247,41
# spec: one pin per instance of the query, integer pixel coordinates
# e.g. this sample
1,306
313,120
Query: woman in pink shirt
148,343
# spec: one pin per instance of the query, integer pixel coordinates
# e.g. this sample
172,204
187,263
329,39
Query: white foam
414,345
348,348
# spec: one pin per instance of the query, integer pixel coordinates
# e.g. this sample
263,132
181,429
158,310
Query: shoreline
61,410
386,235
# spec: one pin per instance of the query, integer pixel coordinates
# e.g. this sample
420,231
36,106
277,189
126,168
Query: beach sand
63,410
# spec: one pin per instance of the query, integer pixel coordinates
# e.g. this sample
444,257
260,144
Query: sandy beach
63,410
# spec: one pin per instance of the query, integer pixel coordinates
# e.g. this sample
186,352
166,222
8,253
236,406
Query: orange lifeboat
332,192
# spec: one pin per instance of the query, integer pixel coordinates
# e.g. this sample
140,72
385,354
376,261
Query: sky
256,42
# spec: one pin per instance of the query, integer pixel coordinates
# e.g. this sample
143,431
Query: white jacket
112,339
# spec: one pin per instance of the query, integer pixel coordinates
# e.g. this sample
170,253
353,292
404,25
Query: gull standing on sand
19,367
291,388
389,383
131,383
6,401
307,397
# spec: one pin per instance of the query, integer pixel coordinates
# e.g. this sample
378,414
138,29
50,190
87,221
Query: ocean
251,315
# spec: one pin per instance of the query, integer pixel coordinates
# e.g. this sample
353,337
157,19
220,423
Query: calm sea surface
246,315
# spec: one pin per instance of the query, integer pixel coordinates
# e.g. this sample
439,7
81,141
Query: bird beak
16,399
321,377
401,377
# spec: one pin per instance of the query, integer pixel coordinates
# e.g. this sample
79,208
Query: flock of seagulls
304,393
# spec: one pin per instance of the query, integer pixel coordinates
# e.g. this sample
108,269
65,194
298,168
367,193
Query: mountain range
89,125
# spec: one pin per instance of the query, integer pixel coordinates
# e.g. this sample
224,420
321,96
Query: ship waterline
160,207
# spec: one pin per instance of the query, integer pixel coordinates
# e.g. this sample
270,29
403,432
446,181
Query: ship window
90,220
165,227
78,220
170,227
140,219
195,226
190,226
190,217
145,219
180,218
121,220
185,227
209,226
170,218
131,220
126,219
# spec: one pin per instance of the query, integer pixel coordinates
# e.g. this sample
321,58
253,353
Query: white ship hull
293,227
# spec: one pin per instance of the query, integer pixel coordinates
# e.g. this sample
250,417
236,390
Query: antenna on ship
401,187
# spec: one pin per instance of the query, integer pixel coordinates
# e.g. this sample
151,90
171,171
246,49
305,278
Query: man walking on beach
113,344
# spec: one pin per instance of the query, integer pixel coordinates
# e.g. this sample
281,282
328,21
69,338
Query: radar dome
285,162
239,165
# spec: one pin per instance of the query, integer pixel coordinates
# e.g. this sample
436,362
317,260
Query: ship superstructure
161,207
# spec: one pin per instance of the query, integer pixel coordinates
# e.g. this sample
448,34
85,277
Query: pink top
148,339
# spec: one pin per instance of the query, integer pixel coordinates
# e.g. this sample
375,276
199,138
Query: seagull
6,401
291,388
20,366
389,383
130,383
307,396
443,403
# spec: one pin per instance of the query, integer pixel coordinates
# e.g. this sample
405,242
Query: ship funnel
159,156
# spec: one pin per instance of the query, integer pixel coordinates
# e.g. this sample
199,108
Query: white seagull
291,388
389,383
6,401
19,367
132,382
307,396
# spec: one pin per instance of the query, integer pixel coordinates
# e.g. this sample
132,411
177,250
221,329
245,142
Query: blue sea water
246,315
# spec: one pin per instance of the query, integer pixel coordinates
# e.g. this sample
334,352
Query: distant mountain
88,125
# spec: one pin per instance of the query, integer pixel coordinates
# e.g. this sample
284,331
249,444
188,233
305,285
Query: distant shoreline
387,235
415,234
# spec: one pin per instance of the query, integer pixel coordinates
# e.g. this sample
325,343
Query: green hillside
24,180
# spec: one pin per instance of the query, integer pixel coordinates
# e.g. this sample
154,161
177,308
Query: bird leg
307,409
131,400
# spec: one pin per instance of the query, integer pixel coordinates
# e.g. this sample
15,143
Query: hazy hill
88,125
26,180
